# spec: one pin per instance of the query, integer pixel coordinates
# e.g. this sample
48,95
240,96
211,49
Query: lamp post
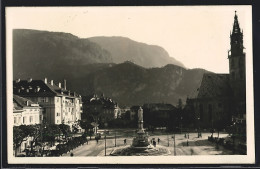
105,143
168,138
181,124
115,138
198,127
174,145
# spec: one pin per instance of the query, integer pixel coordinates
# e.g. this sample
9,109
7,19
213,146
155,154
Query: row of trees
40,135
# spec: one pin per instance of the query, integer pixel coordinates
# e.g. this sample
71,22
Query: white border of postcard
200,159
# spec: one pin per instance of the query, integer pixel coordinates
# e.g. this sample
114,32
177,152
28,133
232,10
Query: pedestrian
151,141
188,136
158,140
71,154
124,141
87,141
154,143
185,135
191,151
187,142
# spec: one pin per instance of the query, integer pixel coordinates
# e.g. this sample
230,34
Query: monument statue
140,145
141,140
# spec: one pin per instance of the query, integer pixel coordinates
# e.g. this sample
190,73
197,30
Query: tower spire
236,28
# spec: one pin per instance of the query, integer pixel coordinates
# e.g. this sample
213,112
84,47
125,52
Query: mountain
89,68
124,49
130,84
44,51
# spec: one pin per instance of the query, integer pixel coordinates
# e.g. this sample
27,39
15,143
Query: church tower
236,58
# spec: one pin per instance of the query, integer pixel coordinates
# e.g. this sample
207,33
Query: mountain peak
123,49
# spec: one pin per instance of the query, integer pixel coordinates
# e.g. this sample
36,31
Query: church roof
214,85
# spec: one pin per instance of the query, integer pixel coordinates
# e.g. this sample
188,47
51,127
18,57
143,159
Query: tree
65,129
20,134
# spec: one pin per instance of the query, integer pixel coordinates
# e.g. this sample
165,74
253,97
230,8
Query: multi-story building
26,112
100,109
59,104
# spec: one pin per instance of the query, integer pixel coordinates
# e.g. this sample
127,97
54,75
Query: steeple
236,28
236,39
236,58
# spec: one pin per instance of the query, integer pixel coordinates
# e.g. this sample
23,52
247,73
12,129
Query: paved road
196,146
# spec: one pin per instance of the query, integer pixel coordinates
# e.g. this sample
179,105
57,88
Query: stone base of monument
141,140
140,147
140,151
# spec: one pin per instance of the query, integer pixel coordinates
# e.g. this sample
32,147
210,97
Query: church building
220,101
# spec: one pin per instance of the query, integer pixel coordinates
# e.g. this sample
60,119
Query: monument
141,140
140,145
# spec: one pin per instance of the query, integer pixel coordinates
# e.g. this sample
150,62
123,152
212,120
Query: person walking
158,140
124,141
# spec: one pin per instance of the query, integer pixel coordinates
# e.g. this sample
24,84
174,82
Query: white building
26,112
59,104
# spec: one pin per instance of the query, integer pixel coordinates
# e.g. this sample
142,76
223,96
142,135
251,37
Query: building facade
26,112
59,104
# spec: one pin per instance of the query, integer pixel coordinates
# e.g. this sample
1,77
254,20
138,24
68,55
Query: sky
197,36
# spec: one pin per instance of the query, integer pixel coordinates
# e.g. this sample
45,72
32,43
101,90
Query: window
24,120
43,99
58,100
31,119
58,114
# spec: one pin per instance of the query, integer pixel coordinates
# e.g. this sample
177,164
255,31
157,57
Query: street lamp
115,138
105,143
168,138
174,145
199,127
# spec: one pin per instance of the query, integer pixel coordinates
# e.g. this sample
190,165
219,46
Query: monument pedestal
141,140
140,145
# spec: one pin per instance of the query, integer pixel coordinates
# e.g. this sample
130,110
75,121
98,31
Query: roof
20,103
213,85
39,88
159,106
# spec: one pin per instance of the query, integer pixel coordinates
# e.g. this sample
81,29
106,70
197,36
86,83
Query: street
184,146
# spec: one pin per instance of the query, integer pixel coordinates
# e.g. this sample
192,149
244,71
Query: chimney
52,82
18,80
29,80
65,85
74,93
38,88
59,84
68,92
45,80
27,103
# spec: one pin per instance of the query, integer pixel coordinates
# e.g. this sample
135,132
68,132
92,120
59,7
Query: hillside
124,49
89,68
43,51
